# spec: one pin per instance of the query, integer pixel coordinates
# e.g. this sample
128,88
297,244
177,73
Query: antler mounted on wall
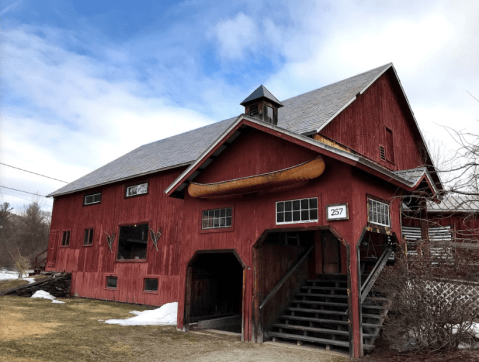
155,237
110,240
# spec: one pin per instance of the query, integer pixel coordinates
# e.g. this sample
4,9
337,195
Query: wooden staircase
318,315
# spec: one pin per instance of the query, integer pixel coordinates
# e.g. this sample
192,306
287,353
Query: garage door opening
214,292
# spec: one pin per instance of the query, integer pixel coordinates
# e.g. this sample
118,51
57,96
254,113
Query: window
295,211
136,190
378,213
151,285
389,145
132,242
92,199
269,114
88,240
216,219
66,238
382,153
111,282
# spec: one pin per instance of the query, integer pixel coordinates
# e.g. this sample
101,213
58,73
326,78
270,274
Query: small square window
136,190
88,239
66,238
111,282
92,199
151,285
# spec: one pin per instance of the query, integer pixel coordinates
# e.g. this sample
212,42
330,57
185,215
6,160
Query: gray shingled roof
303,114
455,203
260,92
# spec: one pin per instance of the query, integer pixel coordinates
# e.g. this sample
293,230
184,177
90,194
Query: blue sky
84,82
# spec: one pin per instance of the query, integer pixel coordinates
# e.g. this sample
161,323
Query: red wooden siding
362,127
91,264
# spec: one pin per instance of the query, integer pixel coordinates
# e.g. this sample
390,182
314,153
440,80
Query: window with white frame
92,199
296,211
378,213
136,190
217,218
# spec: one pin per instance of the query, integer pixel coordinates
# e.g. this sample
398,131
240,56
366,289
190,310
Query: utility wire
21,169
31,193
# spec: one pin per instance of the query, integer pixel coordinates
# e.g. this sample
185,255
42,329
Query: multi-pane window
151,285
378,213
136,190
217,218
295,211
66,238
88,239
133,241
111,282
92,199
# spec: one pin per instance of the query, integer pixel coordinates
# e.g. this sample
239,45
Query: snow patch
166,315
45,295
9,274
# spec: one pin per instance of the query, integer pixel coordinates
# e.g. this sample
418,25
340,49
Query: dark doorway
215,292
331,253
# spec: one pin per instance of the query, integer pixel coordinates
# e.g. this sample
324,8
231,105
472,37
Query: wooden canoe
288,176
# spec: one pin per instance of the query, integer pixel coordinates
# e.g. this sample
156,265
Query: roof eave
54,194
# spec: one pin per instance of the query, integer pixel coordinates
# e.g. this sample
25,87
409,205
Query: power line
31,193
21,169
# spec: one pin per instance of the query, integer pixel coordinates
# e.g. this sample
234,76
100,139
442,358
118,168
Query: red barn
273,224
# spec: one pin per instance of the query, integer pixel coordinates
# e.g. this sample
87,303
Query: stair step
315,320
327,281
322,295
371,316
377,299
311,329
332,304
318,311
323,288
297,337
372,306
331,342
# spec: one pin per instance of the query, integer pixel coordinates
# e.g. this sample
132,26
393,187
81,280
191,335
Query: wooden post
257,298
187,310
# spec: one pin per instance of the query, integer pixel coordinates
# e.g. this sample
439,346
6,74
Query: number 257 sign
337,212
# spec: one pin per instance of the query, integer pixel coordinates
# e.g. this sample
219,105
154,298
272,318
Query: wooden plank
219,323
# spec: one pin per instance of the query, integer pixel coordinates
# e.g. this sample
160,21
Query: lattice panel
464,293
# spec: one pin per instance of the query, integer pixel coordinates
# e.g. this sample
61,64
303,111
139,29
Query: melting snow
45,295
8,274
166,315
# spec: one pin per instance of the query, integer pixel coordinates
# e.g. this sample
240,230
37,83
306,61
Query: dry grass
14,283
37,330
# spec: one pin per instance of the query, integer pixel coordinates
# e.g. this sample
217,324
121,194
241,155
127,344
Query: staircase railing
372,277
285,277
38,262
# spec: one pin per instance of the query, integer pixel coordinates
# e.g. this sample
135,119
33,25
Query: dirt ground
36,330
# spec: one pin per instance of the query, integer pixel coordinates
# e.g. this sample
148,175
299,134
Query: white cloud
237,36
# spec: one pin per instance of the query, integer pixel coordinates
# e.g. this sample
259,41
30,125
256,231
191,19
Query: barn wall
362,127
92,264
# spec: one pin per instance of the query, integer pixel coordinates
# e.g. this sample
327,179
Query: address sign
337,212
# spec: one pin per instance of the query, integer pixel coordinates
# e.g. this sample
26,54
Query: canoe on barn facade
303,172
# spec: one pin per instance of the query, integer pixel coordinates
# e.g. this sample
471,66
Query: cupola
263,105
